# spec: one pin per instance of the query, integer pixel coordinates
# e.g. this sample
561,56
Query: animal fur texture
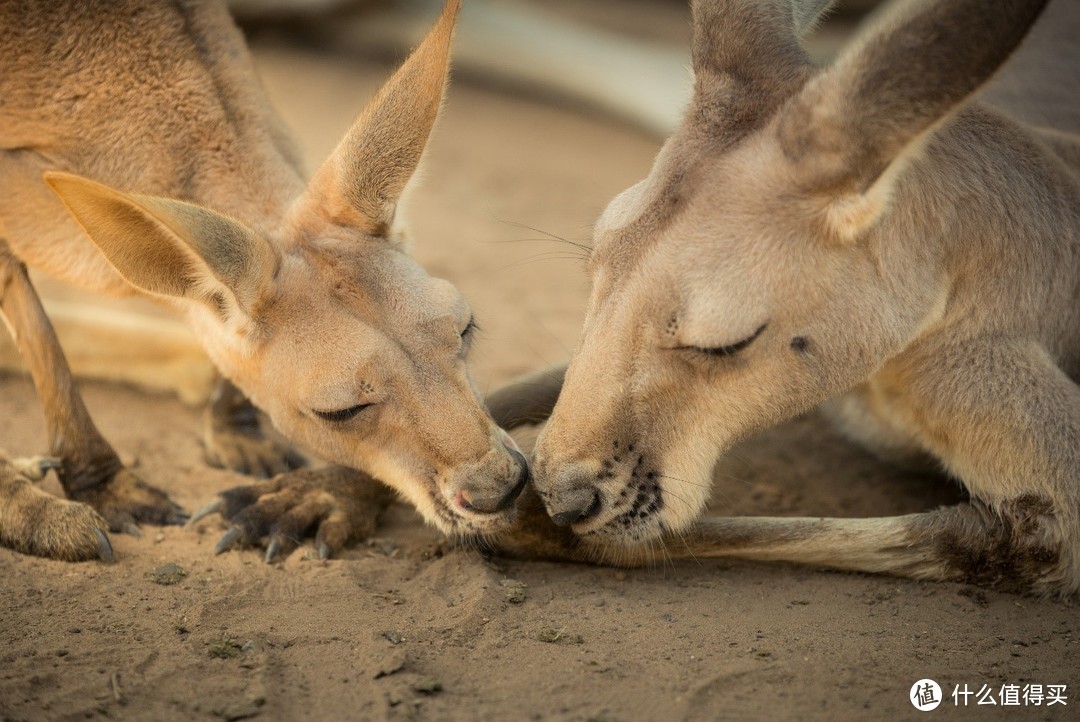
872,237
139,155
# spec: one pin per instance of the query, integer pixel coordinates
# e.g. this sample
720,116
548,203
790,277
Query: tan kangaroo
862,237
138,154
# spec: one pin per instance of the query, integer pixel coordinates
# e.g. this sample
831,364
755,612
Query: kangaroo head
780,250
322,319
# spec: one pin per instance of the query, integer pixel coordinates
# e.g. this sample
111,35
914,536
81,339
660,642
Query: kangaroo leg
1009,432
234,440
527,400
90,470
1012,547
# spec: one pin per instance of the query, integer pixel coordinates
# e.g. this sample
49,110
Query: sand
402,626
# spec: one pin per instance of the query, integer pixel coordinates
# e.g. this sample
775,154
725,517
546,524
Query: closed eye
730,349
341,414
470,327
467,334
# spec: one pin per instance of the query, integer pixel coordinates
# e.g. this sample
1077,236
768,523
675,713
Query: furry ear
807,14
166,247
360,184
850,129
747,58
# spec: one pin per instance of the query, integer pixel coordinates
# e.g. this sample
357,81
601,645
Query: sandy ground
401,627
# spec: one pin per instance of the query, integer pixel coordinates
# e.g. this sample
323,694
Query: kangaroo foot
33,468
235,441
335,504
125,501
35,522
250,452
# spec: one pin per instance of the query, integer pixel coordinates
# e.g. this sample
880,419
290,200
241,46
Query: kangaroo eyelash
731,349
341,414
470,327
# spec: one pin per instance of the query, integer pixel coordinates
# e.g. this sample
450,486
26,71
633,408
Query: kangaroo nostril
479,504
496,503
576,506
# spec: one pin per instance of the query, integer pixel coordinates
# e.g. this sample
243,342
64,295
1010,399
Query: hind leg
35,522
1009,432
90,470
235,441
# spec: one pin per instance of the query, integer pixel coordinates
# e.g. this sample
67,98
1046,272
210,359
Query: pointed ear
850,129
747,58
360,184
167,247
808,13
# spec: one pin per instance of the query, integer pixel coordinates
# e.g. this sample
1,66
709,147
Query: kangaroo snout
573,506
488,496
569,494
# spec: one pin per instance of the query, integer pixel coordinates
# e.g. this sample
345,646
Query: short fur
167,173
863,237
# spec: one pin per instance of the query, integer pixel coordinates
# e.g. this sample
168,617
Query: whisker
733,478
552,236
667,558
585,249
549,256
682,538
685,481
549,370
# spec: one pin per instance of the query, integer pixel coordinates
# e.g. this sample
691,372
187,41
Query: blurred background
555,106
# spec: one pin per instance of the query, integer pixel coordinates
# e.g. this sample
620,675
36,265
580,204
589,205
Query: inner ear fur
849,131
747,58
360,184
166,247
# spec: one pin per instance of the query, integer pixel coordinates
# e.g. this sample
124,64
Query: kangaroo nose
574,506
493,504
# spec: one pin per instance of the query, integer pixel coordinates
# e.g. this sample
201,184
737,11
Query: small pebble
513,591
167,574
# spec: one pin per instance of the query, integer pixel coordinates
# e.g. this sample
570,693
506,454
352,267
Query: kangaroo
865,238
139,155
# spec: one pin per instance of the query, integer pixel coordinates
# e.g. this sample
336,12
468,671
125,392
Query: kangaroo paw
234,438
334,504
125,501
35,522
35,468
248,451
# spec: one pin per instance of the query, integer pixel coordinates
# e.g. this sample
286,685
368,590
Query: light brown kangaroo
138,154
862,237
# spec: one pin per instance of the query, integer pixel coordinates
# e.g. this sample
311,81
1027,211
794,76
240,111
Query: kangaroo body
862,237
139,154
178,112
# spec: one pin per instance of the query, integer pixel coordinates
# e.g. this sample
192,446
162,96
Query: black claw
132,529
272,549
177,517
212,508
228,539
35,468
294,460
45,463
104,548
